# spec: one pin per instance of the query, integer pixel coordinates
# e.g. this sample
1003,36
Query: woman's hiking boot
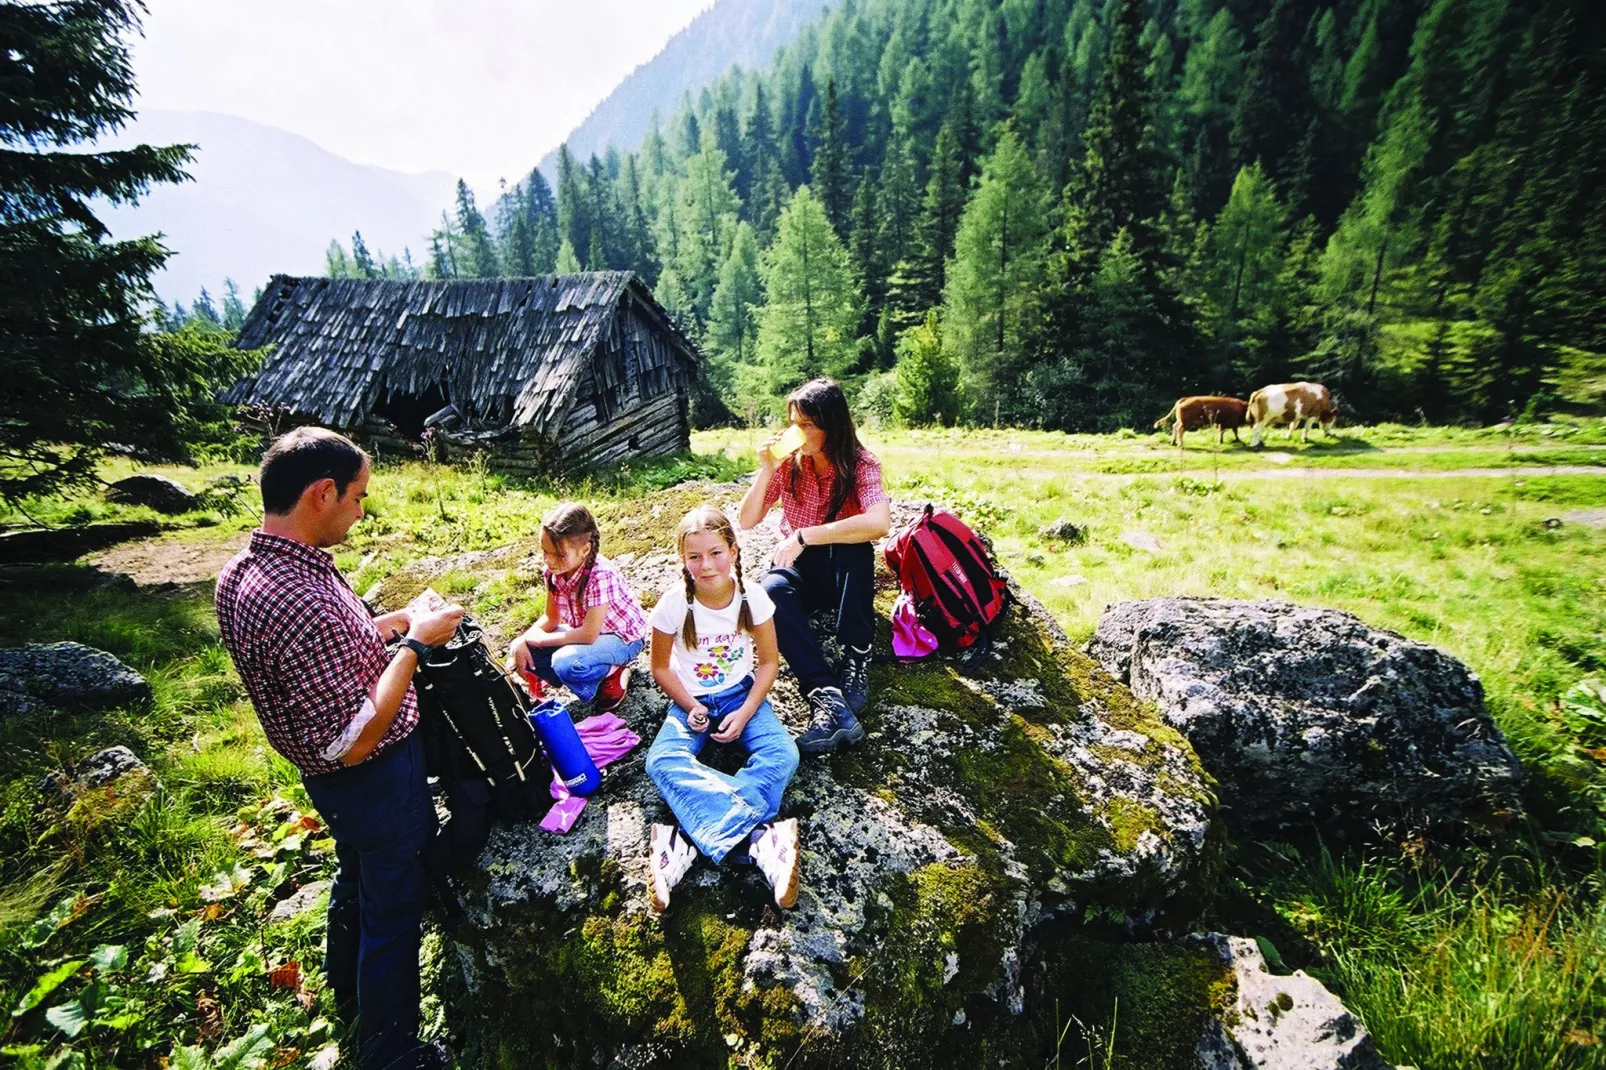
856,678
773,848
831,722
670,856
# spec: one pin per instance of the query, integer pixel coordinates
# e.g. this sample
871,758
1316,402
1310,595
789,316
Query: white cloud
478,88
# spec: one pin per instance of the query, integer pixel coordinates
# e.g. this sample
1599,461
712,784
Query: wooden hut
546,373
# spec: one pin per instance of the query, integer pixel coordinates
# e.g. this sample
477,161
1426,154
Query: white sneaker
671,856
773,848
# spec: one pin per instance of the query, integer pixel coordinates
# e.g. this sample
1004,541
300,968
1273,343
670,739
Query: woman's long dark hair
823,402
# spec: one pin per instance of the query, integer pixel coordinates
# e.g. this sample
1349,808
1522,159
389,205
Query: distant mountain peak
745,33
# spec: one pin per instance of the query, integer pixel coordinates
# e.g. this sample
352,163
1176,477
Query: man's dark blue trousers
382,819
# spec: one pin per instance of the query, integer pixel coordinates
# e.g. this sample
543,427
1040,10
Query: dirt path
169,560
1520,472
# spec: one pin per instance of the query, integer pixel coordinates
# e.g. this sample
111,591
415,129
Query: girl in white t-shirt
714,654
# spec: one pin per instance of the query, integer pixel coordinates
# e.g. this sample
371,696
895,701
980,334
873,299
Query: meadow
130,934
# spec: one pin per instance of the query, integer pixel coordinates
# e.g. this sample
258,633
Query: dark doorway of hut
407,412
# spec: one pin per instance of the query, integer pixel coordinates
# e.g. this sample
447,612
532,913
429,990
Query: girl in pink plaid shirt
593,626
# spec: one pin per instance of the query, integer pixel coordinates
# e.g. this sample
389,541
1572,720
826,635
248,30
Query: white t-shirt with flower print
724,654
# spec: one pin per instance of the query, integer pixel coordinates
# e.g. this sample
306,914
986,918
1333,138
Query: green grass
1455,959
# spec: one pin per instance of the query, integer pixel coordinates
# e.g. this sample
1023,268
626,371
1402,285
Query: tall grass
1455,970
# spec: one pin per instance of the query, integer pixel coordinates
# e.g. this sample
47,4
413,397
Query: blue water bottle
575,768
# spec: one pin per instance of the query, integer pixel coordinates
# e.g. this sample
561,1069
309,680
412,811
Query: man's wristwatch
417,646
799,534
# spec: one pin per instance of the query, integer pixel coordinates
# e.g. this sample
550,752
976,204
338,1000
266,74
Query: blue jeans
381,817
715,810
839,578
580,667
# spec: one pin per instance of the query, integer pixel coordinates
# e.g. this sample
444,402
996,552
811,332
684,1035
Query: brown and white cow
1192,414
1296,404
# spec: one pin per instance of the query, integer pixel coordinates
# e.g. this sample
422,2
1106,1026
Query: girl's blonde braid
688,629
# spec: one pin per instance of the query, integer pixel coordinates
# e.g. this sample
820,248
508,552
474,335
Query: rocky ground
989,838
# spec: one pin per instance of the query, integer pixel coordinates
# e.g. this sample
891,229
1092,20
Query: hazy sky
477,88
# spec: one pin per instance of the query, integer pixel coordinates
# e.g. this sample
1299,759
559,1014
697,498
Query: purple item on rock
910,639
607,739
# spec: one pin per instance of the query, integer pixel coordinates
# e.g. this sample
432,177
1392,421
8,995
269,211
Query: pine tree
830,179
1212,78
1276,108
927,377
708,212
362,261
638,254
78,372
766,184
603,254
541,212
574,208
336,264
568,263
1116,187
897,202
233,314
813,307
1244,269
732,322
864,247
203,312
993,286
480,250
917,284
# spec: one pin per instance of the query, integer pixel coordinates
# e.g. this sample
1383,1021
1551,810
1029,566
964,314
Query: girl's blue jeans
581,668
718,811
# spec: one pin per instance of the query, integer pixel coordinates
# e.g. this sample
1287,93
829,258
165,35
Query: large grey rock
159,492
934,855
65,676
1289,1022
1309,716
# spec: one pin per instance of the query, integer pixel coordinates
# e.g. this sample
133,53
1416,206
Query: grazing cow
1192,414
1296,404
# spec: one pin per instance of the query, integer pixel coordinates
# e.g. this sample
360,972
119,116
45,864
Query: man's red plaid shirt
305,646
807,504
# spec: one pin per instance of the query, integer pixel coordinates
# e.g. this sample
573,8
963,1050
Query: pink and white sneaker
773,848
671,856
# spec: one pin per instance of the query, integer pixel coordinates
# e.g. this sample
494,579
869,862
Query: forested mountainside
744,33
1066,213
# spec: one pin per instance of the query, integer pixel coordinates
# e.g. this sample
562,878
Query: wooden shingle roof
342,346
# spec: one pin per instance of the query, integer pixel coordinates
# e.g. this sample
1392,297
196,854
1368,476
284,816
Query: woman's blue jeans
581,668
718,811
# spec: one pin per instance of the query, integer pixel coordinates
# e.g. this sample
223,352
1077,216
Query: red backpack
949,577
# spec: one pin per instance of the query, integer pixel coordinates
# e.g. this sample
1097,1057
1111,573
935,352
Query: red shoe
611,693
533,685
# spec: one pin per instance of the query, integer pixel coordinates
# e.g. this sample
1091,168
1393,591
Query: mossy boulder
957,866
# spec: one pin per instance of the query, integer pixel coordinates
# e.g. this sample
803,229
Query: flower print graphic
708,673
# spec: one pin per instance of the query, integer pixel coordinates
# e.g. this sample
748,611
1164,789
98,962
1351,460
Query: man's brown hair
298,459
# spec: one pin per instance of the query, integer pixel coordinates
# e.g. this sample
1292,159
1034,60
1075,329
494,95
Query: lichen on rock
982,817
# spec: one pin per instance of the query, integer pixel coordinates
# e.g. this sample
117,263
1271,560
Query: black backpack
479,743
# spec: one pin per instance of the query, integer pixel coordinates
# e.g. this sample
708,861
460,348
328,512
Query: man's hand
787,551
433,627
730,729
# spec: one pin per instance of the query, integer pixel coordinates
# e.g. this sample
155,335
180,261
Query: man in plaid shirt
334,702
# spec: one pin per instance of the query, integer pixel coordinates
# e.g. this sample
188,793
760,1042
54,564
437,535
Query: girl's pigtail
744,619
585,569
688,628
